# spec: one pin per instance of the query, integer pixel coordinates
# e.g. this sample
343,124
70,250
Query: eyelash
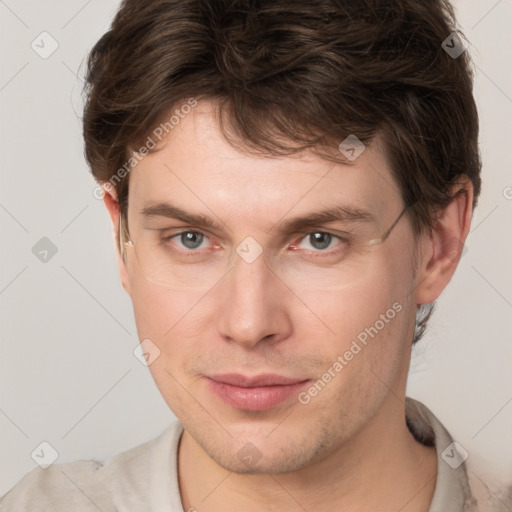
318,253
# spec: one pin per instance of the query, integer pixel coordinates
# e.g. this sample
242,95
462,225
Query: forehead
197,168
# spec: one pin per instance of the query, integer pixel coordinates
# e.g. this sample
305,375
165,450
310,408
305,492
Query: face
256,293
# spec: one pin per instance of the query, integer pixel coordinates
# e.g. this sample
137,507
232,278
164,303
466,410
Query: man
291,185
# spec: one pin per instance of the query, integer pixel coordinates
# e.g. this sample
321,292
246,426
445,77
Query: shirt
145,478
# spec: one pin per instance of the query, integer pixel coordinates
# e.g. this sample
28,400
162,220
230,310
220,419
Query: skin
349,447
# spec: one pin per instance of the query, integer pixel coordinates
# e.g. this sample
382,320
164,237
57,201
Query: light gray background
68,374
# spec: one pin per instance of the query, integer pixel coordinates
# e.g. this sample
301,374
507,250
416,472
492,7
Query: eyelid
287,234
182,229
183,251
334,236
342,237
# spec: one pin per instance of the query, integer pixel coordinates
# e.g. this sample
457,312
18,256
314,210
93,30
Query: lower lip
255,399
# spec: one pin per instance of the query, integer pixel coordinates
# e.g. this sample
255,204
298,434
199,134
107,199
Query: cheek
369,326
382,289
164,317
154,309
161,311
174,320
365,355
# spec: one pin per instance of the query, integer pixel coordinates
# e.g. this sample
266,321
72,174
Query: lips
257,393
267,379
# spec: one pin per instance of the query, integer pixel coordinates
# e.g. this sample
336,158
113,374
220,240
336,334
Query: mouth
257,393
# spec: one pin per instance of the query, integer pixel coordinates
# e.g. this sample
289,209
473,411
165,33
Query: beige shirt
144,478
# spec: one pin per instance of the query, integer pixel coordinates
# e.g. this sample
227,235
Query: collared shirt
145,478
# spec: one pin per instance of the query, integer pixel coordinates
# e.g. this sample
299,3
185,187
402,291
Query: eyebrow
173,212
295,224
329,215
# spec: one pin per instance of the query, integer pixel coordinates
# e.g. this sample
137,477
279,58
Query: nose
253,304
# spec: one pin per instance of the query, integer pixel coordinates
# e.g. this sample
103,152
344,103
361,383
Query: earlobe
111,202
443,247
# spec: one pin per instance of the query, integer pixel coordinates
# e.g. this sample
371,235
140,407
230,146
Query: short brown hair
288,76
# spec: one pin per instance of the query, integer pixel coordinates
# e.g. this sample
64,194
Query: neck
382,468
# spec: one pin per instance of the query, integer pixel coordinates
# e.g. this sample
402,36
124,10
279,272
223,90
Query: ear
112,204
441,249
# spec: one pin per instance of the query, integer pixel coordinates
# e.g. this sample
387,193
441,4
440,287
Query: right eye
188,240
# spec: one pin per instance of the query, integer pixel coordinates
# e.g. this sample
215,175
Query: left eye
319,241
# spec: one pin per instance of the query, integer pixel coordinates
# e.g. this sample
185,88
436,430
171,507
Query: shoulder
89,485
459,486
71,486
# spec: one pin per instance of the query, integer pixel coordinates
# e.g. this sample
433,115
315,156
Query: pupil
320,240
191,240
